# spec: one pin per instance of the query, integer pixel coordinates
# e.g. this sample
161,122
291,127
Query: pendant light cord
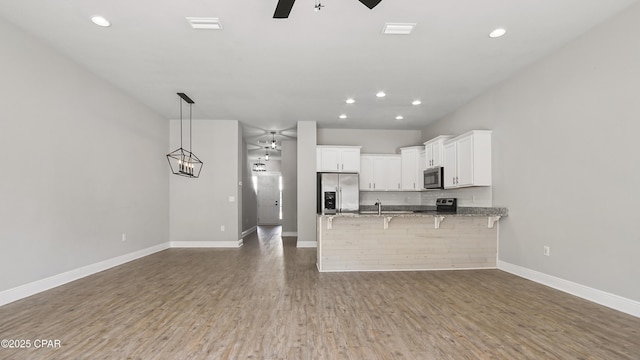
190,127
181,123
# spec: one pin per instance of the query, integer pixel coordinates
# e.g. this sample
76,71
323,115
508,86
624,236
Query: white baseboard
207,244
613,301
38,286
249,231
289,233
307,244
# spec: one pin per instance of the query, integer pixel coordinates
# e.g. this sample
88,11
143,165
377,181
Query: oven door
433,178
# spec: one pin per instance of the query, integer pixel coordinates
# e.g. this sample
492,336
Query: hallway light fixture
259,166
184,162
273,139
266,155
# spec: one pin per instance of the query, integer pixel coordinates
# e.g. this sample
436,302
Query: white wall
372,141
565,155
306,168
83,163
249,200
200,207
289,187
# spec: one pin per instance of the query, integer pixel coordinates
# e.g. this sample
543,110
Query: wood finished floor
266,300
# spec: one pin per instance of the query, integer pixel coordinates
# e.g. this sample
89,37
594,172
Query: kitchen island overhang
409,241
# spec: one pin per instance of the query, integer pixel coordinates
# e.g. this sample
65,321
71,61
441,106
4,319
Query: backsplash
469,197
390,197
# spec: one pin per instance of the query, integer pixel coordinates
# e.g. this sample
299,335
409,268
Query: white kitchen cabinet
380,172
338,158
413,166
467,160
434,150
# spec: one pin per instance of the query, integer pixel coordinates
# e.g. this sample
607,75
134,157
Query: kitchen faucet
379,205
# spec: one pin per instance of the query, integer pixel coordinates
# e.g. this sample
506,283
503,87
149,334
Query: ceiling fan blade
284,8
370,3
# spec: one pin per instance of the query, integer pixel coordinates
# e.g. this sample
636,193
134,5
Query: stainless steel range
448,205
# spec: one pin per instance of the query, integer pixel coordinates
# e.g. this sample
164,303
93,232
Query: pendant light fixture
266,155
259,166
273,140
184,162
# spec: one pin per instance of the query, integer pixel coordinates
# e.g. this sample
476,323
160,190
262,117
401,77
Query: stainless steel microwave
434,178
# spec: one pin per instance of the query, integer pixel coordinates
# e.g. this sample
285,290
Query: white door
450,165
329,159
394,173
366,173
350,160
409,170
464,150
269,199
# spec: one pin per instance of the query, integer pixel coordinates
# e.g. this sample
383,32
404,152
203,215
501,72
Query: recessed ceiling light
343,116
497,33
204,23
416,102
381,94
100,21
350,101
399,117
398,28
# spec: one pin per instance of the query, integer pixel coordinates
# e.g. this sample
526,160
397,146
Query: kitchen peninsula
408,240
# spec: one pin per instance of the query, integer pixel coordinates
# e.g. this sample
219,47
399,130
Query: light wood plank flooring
267,301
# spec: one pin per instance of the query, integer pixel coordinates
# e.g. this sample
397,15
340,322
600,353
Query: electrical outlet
222,228
547,250
124,237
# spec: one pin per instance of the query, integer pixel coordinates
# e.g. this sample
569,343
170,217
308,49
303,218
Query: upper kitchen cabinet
434,150
338,158
380,173
413,166
467,160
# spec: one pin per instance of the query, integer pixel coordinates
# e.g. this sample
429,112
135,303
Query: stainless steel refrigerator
338,193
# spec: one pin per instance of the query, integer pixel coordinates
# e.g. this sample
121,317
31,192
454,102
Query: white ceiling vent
204,23
398,28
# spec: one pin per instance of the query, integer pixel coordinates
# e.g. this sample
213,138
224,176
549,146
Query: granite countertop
422,210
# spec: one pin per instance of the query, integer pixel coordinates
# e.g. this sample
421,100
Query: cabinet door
329,159
409,169
379,173
350,160
436,154
450,165
429,155
366,173
422,166
393,167
464,159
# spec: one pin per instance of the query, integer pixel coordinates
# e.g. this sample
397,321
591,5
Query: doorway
269,199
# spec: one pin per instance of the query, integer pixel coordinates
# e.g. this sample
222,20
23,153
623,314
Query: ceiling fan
284,7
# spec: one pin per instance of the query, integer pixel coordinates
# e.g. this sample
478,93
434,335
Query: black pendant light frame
184,162
259,166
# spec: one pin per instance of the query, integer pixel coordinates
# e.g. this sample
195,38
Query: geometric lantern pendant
184,162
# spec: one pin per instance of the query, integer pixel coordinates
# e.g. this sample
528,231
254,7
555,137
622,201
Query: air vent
398,28
203,23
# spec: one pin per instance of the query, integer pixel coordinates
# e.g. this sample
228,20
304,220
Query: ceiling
270,73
